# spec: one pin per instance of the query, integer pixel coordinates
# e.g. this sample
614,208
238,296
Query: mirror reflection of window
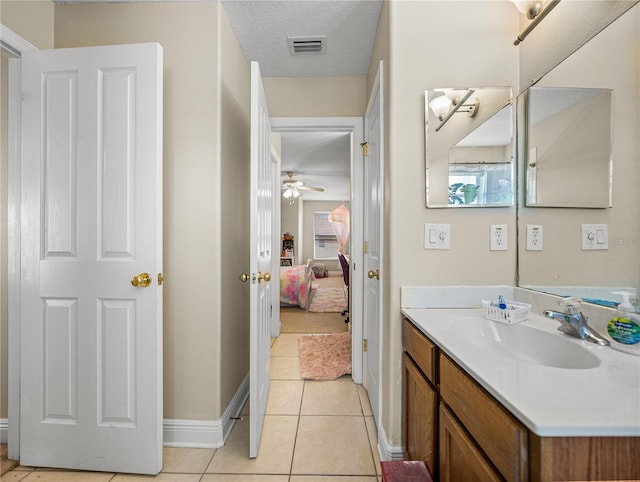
480,185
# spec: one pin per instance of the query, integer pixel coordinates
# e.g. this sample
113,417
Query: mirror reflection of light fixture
444,106
530,8
440,106
535,11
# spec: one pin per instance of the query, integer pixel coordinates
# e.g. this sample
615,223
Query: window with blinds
325,242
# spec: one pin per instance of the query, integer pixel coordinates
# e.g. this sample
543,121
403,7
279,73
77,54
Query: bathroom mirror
559,264
469,147
567,131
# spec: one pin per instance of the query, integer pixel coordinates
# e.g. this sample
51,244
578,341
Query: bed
295,285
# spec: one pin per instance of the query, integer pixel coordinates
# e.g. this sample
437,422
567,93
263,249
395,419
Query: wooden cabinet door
460,459
420,405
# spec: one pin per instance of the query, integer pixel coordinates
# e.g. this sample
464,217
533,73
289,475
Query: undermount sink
530,345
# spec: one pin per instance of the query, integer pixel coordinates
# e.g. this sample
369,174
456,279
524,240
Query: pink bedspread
295,283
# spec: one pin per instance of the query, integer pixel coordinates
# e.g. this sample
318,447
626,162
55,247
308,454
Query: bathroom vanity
487,401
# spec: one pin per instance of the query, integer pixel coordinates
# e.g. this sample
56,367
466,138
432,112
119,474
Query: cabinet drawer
502,437
420,349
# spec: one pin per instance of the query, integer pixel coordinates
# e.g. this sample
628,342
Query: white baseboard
190,433
387,451
4,430
205,433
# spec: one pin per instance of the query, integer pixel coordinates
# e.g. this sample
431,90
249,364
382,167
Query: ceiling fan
291,187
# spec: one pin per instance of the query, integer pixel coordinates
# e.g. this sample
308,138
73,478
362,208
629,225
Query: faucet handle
572,304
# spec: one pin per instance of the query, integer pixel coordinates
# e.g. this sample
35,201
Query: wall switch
437,236
499,237
595,236
534,237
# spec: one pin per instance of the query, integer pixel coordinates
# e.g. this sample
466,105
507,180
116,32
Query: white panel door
261,192
373,229
91,341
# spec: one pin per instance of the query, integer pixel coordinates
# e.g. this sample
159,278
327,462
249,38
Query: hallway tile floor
314,431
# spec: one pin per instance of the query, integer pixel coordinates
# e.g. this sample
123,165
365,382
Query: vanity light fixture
535,11
444,106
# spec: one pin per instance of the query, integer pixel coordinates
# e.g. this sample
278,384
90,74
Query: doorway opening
324,153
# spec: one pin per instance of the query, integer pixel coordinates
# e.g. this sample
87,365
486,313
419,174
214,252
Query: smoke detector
308,45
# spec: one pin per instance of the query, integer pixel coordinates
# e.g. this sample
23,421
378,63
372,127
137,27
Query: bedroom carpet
296,320
324,357
328,300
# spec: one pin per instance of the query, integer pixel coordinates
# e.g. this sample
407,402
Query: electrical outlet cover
499,237
534,237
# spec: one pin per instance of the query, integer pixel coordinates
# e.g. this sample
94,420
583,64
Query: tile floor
313,432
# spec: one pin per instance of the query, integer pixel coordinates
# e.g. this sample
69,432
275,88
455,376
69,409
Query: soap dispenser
624,328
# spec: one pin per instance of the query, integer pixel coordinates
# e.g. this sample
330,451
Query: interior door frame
355,126
16,45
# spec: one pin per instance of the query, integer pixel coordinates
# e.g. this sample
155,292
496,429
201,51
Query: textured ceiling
263,26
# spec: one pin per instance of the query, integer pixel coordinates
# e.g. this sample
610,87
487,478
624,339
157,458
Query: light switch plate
595,236
437,236
534,237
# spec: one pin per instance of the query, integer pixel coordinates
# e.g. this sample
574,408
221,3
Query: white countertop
603,400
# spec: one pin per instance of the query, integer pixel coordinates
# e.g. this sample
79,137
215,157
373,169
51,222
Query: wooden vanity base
463,433
584,458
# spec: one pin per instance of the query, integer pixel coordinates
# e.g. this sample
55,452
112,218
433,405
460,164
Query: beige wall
192,199
316,96
234,182
33,21
427,49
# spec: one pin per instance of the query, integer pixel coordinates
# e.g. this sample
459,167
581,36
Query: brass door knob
244,277
264,276
142,280
374,274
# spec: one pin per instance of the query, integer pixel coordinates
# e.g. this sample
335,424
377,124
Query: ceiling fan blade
311,188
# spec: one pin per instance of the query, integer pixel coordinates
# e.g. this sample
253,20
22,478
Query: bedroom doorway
323,153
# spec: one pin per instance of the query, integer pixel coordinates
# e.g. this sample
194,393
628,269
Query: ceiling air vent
308,45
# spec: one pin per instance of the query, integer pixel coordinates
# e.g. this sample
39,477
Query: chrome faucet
574,323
